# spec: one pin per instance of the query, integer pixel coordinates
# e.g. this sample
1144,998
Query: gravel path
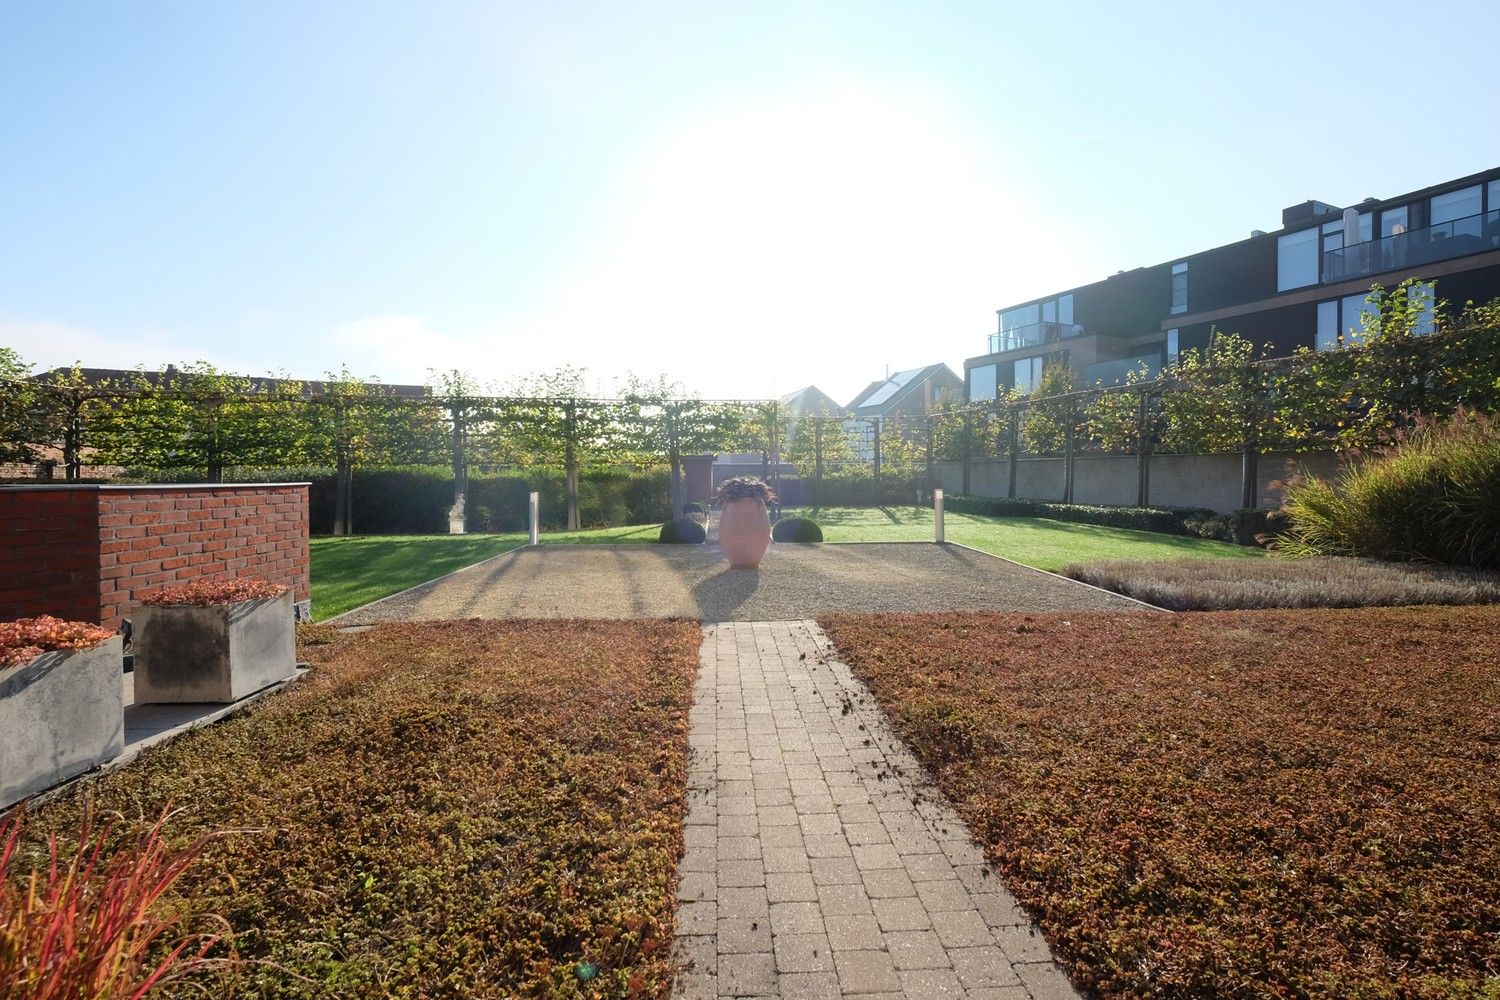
693,581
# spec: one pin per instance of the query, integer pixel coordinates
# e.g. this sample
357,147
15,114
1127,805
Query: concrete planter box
60,715
220,653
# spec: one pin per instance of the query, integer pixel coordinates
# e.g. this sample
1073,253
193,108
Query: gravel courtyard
693,581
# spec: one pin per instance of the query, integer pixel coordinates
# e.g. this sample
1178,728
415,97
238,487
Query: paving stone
803,953
819,860
790,887
866,971
917,950
902,914
931,984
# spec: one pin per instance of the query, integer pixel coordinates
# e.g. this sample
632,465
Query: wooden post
877,460
968,449
817,462
931,466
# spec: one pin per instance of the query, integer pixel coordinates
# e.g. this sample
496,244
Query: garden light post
535,518
937,516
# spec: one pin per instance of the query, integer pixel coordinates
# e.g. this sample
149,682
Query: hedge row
416,499
1166,520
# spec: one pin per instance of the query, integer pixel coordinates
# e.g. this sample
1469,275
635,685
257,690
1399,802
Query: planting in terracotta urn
744,523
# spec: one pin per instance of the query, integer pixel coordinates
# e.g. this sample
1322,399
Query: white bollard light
937,515
536,517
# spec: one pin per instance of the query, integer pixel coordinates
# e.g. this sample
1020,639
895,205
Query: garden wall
1211,481
90,553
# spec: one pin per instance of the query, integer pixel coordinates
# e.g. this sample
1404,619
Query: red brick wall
139,539
49,554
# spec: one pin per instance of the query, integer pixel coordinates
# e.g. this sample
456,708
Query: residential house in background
1302,285
904,399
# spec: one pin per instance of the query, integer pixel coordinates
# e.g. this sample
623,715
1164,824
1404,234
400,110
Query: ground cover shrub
84,925
683,531
214,591
1165,520
694,507
1330,582
459,809
1275,803
1246,526
24,639
796,529
1433,496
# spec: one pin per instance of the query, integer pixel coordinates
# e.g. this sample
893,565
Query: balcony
1030,335
1458,238
1115,372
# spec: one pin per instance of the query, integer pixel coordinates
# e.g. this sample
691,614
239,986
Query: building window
1028,373
1179,288
1423,297
1172,347
1297,260
1395,221
1065,312
1328,326
982,384
1455,205
1341,322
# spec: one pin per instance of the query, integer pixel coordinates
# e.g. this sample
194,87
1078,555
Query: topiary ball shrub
796,529
693,508
683,531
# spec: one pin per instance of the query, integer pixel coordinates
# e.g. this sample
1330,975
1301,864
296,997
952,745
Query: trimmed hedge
1246,526
1165,520
414,500
796,529
683,531
694,507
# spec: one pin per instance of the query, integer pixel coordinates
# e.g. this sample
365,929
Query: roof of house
811,399
97,376
880,397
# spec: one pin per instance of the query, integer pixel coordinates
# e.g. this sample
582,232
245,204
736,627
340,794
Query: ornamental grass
88,925
1268,804
457,809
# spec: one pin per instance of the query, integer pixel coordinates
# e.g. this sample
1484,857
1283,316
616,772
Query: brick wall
49,554
102,548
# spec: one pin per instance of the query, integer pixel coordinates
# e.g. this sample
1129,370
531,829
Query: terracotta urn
744,531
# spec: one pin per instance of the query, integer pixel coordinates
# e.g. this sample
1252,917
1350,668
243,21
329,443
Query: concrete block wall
100,549
1211,481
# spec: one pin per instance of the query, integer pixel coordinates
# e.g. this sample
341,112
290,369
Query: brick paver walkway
820,860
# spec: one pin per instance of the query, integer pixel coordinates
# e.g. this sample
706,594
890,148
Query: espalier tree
23,425
550,420
660,420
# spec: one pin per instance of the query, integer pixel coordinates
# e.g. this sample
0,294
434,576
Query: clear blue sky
749,197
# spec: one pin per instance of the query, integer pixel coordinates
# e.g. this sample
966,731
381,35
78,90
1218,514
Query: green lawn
1035,541
348,572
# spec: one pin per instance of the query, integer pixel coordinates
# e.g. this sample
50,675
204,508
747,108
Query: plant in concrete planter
213,641
61,702
744,524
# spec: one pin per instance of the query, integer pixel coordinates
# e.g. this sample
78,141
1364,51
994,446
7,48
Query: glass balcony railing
1115,372
1458,238
1029,335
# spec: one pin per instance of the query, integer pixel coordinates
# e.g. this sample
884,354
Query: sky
748,198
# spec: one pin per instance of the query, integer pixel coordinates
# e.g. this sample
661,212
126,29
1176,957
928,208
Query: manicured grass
1035,541
460,809
349,572
1267,803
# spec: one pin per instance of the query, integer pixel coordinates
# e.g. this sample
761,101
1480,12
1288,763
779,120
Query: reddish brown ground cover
1271,803
457,809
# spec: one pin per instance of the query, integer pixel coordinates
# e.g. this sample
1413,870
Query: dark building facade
1303,285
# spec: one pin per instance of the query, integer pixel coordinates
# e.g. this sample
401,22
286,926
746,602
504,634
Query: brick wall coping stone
151,486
